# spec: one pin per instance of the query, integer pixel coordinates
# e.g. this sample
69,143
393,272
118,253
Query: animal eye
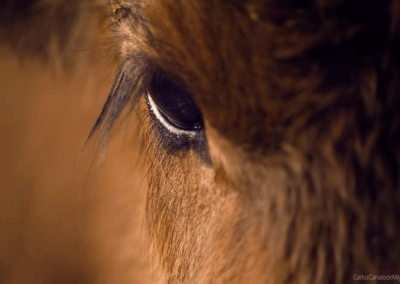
172,106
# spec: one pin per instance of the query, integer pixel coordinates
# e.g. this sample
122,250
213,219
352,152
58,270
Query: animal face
266,127
270,133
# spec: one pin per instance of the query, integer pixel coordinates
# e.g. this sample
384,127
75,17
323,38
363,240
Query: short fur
301,105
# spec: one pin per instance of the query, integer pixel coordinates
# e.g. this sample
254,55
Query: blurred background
65,217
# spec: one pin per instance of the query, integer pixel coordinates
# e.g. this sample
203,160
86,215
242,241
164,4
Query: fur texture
301,107
48,28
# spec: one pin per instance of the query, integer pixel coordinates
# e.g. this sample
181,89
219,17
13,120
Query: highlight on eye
173,106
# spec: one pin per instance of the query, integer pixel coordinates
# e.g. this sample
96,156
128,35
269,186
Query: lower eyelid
175,140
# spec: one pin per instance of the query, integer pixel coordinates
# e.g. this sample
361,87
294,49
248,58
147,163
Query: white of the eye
167,124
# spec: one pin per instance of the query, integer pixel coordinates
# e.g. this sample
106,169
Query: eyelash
129,86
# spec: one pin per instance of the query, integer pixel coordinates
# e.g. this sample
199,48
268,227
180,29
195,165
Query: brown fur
34,28
301,107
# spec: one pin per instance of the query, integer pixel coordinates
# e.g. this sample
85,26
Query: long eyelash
130,83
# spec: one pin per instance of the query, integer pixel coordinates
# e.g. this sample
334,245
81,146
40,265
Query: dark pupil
175,104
